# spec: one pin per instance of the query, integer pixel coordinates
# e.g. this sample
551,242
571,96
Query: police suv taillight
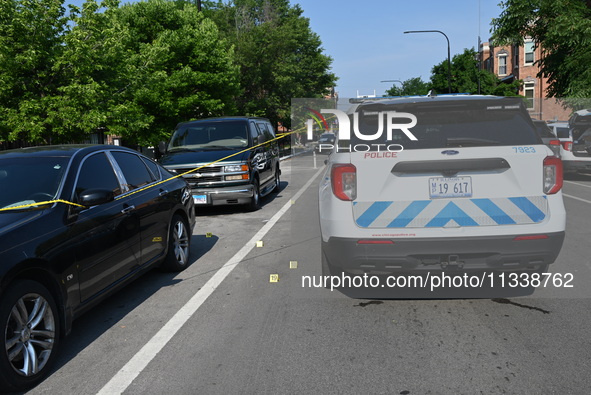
552,175
344,181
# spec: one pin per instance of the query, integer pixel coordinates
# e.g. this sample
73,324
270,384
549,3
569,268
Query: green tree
92,74
134,71
562,28
31,38
465,76
178,68
410,87
279,56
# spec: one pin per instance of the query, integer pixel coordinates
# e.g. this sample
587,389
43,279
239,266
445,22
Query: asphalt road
222,327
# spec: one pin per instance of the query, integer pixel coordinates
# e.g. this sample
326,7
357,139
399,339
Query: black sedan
77,223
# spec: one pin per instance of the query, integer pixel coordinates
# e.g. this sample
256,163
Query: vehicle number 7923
524,150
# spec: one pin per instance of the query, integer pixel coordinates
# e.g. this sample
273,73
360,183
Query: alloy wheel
30,334
180,243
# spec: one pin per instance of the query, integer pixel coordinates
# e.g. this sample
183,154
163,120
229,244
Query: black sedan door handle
128,209
163,192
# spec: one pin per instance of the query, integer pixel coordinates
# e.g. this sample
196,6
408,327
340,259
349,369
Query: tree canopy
279,56
31,37
562,28
137,70
465,77
410,87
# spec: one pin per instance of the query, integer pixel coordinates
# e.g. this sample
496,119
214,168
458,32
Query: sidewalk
295,151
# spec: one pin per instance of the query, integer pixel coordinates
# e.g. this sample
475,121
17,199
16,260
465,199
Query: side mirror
93,197
162,147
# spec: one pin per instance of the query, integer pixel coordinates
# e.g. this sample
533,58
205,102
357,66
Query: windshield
210,135
27,180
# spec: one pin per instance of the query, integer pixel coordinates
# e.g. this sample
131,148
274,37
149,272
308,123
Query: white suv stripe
451,212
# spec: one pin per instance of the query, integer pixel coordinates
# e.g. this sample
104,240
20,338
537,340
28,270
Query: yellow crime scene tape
280,136
40,204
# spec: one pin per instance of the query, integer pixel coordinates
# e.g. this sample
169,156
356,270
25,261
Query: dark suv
325,143
229,160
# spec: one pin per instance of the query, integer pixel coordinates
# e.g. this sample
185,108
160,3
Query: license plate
444,187
200,199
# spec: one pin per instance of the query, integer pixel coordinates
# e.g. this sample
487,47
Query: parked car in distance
325,143
229,160
475,190
548,138
574,155
76,224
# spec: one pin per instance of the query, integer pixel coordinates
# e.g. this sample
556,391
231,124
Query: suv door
107,236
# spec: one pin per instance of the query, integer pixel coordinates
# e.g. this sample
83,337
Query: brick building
514,62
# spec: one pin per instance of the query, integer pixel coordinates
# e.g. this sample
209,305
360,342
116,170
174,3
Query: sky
366,42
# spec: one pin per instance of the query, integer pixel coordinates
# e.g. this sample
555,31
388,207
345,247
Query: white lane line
577,198
139,361
576,183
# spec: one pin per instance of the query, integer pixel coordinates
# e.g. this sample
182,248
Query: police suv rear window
447,124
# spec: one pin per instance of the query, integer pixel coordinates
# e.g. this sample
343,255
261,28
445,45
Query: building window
502,64
529,52
528,90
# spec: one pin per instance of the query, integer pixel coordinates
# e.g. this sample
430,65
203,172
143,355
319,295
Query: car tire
255,201
179,245
277,188
31,334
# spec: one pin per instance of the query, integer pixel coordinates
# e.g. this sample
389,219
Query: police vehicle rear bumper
505,253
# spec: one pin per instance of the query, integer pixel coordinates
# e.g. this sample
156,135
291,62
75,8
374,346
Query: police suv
467,184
